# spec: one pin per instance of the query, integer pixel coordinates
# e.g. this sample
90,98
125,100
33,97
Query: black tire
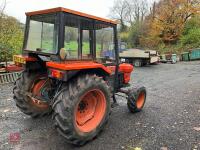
134,96
137,63
23,85
66,104
144,63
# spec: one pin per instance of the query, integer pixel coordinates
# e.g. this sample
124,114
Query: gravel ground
170,119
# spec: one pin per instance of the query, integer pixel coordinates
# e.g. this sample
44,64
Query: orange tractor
66,72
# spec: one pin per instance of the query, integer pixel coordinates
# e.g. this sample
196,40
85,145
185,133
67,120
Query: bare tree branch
129,11
2,8
118,11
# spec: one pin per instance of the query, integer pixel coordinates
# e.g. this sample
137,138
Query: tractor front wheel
82,108
136,99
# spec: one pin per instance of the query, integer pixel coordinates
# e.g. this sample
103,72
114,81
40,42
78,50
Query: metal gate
9,77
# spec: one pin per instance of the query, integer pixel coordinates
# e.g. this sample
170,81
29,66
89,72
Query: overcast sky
17,8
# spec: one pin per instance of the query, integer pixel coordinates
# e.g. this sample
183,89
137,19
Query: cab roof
61,9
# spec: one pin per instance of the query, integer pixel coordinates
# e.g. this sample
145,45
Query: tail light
56,74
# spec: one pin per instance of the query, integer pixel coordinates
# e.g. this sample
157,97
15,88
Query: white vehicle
139,57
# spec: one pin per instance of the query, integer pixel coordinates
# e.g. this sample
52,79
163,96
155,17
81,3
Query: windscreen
104,43
88,39
43,34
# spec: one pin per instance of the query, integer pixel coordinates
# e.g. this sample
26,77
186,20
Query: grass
72,46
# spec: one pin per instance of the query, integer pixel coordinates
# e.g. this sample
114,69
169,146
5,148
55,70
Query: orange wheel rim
36,92
140,100
90,110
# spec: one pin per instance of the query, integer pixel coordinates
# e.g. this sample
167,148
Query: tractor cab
67,70
69,35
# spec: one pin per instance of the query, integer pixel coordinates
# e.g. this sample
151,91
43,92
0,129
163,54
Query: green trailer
185,56
195,54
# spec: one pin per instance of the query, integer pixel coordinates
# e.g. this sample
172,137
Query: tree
136,11
119,11
171,16
128,12
131,14
11,36
192,23
191,33
2,8
167,22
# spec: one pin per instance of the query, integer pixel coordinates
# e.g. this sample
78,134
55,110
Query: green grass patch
72,47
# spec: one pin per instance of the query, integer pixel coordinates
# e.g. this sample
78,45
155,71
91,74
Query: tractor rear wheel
26,86
136,99
82,109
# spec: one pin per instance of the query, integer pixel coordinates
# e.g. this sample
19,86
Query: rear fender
78,65
69,75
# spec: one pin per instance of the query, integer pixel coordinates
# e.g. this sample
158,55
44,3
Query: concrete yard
170,119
